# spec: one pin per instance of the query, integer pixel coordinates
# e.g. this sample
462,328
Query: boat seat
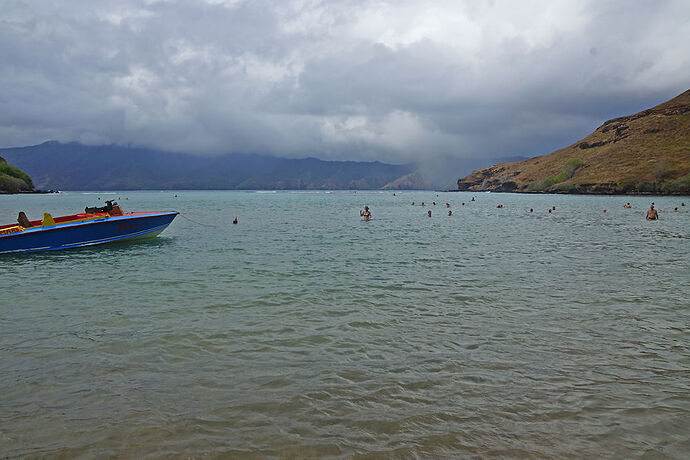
47,220
23,220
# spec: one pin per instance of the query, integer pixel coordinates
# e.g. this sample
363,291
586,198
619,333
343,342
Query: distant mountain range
74,166
648,152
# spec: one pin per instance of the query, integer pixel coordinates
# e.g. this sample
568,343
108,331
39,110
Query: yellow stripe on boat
15,229
85,219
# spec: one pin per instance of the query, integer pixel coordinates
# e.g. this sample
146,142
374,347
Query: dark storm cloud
350,79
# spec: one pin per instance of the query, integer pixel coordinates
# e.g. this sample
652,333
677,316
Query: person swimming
651,213
627,205
450,213
429,213
234,221
366,213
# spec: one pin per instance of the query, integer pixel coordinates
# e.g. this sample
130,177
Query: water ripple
303,332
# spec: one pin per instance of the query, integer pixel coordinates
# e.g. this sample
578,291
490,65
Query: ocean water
304,332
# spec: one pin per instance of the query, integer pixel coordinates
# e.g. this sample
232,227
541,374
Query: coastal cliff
648,152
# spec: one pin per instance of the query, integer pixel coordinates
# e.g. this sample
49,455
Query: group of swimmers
652,213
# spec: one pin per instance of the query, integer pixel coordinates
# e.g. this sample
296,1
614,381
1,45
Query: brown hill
648,152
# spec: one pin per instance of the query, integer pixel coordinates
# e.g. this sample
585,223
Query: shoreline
29,192
574,193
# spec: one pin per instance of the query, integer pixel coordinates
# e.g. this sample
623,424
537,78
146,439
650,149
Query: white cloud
335,79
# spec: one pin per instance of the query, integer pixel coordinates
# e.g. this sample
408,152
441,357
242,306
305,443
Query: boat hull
100,231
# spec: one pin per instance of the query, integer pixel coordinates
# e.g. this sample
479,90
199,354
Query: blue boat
94,226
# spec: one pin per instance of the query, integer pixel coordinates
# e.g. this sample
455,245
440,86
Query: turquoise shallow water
305,332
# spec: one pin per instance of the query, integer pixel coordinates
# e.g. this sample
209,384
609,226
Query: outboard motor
111,207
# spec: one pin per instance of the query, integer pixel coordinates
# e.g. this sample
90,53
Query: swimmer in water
429,213
627,205
450,213
531,210
234,221
366,213
651,213
447,205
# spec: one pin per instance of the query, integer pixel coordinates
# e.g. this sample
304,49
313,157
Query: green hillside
13,180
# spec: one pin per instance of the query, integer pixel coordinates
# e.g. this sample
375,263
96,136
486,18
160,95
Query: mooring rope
199,223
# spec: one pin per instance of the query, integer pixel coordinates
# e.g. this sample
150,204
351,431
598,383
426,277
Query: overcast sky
393,81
